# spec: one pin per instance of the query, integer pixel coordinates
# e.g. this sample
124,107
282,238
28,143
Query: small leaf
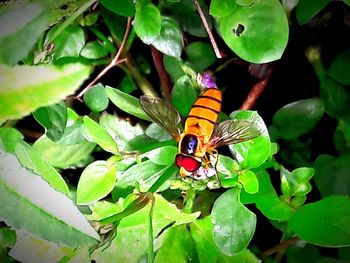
307,9
100,136
123,8
296,183
94,50
339,69
23,192
221,8
233,223
183,95
23,89
96,98
162,155
169,41
208,252
298,118
96,181
7,237
173,67
53,118
252,153
147,23
251,32
20,30
324,223
249,181
126,103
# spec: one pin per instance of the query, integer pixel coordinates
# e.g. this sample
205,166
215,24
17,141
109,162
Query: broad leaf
126,103
169,41
233,223
307,9
183,95
221,8
251,31
130,244
147,23
200,55
100,136
96,181
22,191
163,155
249,181
94,50
324,223
23,89
339,69
53,118
20,30
208,252
96,98
123,8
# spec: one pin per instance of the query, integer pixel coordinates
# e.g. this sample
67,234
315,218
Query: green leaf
126,103
130,244
53,118
96,181
324,223
123,8
222,8
200,55
296,183
336,99
31,197
183,95
10,137
169,41
249,181
298,118
339,69
100,136
7,237
228,171
121,130
252,153
307,9
332,175
251,31
233,223
208,252
68,43
145,174
305,254
96,98
127,84
173,67
147,23
163,155
94,50
23,89
21,28
177,246
61,154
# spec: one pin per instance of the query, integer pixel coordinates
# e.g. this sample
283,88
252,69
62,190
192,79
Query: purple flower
206,79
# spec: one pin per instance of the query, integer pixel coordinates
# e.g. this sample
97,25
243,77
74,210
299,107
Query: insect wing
233,131
162,113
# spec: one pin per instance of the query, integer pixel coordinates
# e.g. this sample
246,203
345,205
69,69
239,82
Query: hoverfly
202,134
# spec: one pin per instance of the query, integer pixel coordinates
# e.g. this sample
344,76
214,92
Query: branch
218,53
279,247
263,73
164,79
115,61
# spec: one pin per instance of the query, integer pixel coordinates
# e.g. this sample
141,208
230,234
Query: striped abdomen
204,113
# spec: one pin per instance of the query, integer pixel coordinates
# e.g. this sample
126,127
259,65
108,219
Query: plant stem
115,61
279,247
218,53
150,252
164,79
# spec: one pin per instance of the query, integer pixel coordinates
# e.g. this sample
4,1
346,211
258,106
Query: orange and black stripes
204,113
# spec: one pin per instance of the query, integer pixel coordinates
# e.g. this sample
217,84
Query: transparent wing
162,113
233,131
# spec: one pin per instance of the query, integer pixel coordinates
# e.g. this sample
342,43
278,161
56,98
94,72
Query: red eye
190,164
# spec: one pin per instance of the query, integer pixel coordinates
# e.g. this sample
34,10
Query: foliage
86,175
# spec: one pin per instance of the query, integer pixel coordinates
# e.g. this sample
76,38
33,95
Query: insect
202,134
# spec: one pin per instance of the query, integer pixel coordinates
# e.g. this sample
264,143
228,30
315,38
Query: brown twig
279,247
218,53
164,79
115,61
30,133
263,73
